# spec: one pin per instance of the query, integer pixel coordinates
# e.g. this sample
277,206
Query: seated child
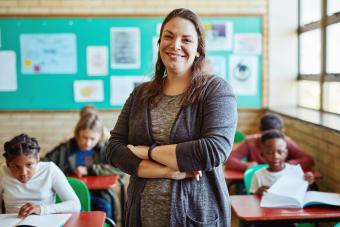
85,154
250,148
28,186
88,109
274,152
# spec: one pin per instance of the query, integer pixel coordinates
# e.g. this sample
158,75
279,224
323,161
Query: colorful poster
97,60
219,35
125,48
243,71
219,65
122,86
8,71
250,43
88,90
48,53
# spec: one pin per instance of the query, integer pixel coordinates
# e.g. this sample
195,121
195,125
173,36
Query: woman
175,132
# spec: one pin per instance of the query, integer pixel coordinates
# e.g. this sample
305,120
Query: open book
290,191
51,220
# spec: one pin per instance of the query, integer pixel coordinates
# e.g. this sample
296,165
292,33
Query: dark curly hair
21,144
271,121
271,134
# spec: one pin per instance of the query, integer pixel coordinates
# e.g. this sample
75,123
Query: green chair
83,194
248,175
337,224
81,191
239,136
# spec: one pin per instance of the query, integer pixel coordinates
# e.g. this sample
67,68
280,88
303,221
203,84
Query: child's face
274,151
23,167
87,139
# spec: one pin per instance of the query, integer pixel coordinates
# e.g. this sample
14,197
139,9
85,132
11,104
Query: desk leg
122,199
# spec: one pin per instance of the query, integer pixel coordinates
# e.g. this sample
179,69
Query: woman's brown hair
200,69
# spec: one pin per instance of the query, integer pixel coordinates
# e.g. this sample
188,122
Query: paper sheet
8,72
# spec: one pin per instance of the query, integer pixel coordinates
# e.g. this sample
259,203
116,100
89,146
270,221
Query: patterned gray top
155,199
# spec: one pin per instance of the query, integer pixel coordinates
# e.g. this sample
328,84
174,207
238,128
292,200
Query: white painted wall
283,59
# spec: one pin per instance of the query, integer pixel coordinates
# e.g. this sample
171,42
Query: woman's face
178,45
23,167
87,139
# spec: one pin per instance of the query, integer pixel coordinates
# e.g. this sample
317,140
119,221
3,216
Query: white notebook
51,220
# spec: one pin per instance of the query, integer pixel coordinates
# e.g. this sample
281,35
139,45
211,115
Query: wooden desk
247,208
86,219
98,182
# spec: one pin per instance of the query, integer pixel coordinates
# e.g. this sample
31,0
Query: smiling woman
174,134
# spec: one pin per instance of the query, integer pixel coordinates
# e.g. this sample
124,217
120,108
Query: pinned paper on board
219,35
243,71
97,60
125,48
88,90
122,86
219,65
8,72
249,43
48,53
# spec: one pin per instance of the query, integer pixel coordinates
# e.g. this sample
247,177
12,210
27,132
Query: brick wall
324,145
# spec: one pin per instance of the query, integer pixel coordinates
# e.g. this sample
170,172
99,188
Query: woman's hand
140,151
176,175
27,209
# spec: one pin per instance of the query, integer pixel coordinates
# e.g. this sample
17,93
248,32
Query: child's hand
261,190
309,177
80,171
27,209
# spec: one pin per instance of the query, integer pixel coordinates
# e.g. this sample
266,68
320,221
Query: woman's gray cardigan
204,134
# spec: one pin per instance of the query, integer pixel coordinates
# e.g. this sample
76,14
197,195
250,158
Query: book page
314,197
9,219
291,185
51,220
272,200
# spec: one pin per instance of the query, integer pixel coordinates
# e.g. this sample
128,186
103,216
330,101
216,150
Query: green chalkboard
39,88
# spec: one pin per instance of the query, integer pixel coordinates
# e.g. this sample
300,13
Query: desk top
98,182
81,219
247,208
237,175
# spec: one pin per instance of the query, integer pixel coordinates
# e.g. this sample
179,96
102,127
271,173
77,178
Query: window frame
321,24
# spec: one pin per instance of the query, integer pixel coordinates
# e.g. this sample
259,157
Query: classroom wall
51,127
282,53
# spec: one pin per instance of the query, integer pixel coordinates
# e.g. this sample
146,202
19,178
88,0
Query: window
319,55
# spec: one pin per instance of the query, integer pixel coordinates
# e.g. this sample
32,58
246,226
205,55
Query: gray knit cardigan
204,133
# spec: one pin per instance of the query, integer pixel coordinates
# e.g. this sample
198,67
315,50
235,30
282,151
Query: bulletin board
65,63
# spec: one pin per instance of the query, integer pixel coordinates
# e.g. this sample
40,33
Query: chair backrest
81,191
239,136
249,173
